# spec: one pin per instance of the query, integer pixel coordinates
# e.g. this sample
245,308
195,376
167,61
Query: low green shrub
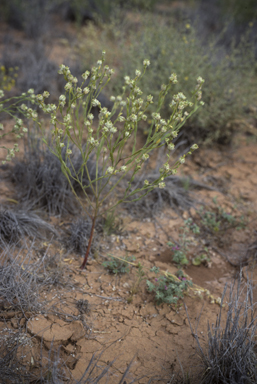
203,258
166,288
179,255
229,73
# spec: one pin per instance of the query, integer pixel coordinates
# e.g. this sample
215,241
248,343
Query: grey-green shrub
230,74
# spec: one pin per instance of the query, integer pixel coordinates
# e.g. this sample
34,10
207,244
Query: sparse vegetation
166,288
229,72
118,266
218,220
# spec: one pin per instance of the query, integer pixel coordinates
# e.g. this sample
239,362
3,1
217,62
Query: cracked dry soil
97,311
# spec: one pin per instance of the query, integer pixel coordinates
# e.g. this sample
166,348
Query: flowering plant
111,140
11,106
168,288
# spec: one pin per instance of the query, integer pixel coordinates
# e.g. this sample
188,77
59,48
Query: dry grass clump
230,357
19,289
12,368
40,182
15,225
178,194
174,195
77,235
24,274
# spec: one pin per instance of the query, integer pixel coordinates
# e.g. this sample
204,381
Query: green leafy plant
118,266
179,254
192,226
166,288
204,258
211,221
112,140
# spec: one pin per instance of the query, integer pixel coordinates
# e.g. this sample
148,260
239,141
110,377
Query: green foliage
230,74
210,220
192,226
104,10
220,220
179,255
204,258
117,266
166,288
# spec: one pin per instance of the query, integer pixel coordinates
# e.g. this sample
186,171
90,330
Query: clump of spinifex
112,138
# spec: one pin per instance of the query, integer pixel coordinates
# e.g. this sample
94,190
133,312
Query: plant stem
89,243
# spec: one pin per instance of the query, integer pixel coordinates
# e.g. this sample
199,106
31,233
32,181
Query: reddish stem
89,244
